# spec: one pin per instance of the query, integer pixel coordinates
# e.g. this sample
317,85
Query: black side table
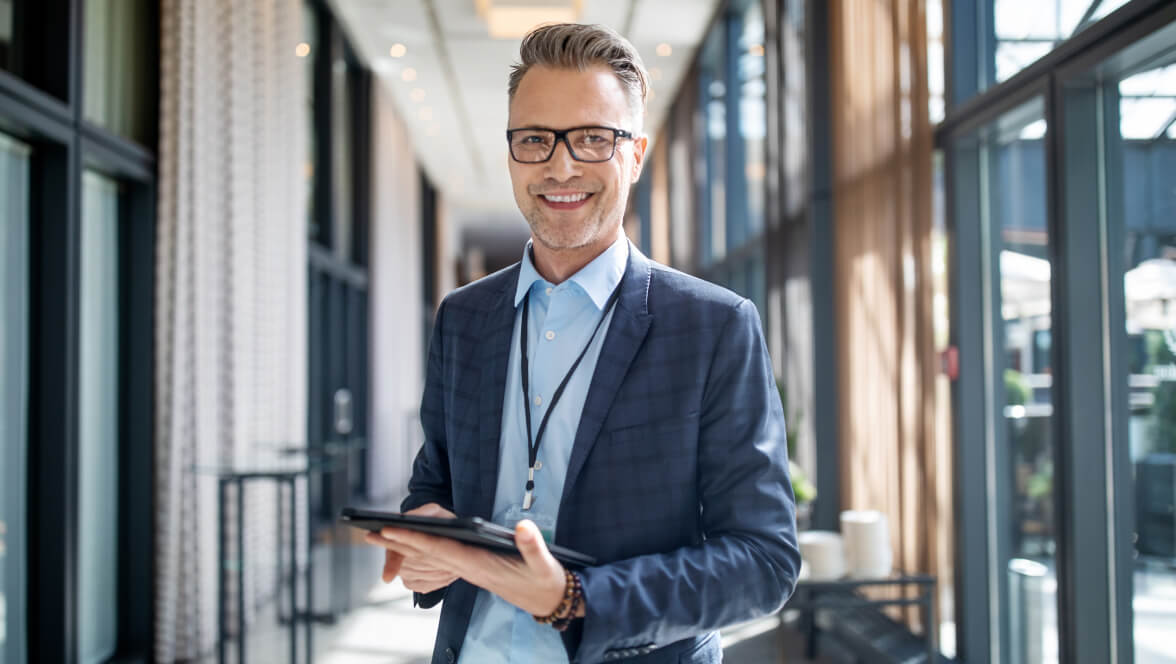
282,471
843,594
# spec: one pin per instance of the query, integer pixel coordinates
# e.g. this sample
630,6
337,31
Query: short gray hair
580,46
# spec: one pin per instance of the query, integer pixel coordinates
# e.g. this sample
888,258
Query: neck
557,265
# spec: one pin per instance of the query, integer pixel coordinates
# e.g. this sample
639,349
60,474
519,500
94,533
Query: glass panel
14,310
307,50
98,408
713,195
6,19
1147,229
342,155
1022,32
1007,160
749,54
1021,243
118,67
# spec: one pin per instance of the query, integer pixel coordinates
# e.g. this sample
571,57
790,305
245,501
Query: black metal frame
562,135
1092,472
44,107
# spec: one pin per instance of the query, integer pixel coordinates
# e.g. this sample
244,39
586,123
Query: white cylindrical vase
866,537
823,554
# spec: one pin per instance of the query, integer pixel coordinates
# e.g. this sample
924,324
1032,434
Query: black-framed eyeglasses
534,145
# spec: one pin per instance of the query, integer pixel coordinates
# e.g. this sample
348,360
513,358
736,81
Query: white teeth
573,198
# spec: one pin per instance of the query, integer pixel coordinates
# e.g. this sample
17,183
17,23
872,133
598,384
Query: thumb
530,543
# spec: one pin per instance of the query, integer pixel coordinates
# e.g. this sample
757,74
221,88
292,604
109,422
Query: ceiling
449,81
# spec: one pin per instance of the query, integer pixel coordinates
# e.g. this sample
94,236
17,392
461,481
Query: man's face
571,204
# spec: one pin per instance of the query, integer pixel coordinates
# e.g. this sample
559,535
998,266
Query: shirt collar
598,278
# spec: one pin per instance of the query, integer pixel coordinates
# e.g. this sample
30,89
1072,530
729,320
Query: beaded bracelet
565,613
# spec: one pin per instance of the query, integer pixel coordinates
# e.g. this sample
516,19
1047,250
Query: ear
639,145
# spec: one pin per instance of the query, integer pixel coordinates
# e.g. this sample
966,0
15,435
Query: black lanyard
533,445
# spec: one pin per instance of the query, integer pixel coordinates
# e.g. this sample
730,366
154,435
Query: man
599,400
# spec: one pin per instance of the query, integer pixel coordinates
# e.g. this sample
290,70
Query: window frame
1093,519
46,111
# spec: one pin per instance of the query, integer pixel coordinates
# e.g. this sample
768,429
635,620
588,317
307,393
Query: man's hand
534,584
416,574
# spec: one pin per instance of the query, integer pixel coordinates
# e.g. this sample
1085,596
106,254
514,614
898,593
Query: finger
530,543
441,577
419,566
392,565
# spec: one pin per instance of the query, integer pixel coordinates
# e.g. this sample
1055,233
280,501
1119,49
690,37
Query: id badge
545,521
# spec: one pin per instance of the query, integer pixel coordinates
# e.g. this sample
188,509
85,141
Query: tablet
472,530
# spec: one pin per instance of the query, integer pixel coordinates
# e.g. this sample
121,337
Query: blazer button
450,656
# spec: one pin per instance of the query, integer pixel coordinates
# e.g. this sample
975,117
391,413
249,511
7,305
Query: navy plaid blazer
678,478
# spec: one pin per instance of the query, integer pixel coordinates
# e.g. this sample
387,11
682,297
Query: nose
561,166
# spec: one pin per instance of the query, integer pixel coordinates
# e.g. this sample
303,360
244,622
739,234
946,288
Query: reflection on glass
1017,195
749,52
117,67
14,310
1147,110
98,403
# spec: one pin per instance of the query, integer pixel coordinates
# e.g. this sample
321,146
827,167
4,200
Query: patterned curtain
231,283
892,458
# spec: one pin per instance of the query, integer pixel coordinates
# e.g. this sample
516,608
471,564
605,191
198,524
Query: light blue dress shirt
561,321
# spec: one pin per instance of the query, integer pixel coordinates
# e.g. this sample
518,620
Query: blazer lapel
495,348
630,323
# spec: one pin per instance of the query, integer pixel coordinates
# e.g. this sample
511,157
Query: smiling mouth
566,201
566,198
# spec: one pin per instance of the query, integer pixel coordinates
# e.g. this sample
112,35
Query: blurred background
225,226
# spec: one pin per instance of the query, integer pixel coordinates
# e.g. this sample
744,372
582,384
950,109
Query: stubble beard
573,235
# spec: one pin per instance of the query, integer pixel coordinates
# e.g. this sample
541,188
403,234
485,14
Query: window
1008,201
730,129
1065,274
14,309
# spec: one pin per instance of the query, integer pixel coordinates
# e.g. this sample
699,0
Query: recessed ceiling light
417,95
514,21
397,50
664,50
409,74
302,50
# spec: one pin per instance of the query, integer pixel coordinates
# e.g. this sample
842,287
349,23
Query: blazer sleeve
430,481
748,562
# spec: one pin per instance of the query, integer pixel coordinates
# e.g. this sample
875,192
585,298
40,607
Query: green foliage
1163,413
1017,392
802,488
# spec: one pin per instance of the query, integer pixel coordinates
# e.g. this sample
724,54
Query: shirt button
538,401
549,290
550,335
